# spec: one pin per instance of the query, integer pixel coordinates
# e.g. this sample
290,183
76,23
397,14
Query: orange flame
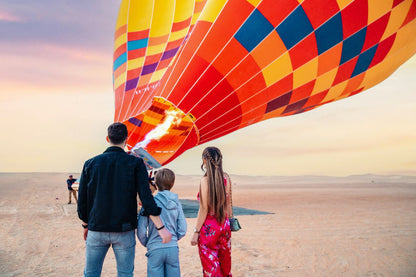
172,118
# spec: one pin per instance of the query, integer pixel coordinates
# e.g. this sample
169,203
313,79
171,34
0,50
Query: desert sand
352,226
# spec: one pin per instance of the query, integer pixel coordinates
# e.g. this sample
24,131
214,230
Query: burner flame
172,118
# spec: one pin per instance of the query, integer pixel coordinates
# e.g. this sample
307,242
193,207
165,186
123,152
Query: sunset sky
56,101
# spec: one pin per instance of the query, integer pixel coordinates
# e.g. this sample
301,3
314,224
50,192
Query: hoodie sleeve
182,226
142,226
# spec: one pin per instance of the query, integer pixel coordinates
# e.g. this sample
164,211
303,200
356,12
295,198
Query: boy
163,259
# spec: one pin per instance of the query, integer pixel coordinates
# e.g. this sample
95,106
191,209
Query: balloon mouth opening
160,131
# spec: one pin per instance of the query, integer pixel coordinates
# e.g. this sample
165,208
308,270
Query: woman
212,231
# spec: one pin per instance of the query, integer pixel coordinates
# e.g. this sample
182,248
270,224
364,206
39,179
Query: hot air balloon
190,71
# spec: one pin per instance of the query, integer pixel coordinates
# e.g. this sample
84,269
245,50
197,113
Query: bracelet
84,226
160,228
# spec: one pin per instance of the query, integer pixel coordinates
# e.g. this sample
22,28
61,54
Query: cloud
76,23
85,55
9,17
53,51
51,67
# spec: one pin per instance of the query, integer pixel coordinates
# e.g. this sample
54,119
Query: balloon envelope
187,72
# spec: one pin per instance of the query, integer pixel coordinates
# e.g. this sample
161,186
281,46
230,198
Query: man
69,183
107,204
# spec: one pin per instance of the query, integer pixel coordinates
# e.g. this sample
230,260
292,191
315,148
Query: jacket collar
114,149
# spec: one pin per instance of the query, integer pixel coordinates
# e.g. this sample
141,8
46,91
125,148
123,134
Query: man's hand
165,235
163,232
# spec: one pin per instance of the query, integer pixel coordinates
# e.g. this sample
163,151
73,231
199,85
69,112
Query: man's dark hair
117,133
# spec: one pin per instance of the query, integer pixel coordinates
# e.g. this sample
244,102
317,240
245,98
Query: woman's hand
194,240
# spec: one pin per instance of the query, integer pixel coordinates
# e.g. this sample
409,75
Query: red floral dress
214,245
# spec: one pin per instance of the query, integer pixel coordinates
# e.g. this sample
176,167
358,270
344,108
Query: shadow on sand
190,209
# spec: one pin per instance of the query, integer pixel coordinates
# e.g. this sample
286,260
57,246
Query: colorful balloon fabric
189,71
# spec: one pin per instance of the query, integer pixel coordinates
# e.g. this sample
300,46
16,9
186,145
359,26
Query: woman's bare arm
203,209
229,208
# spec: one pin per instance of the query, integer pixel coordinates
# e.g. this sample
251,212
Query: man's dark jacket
107,194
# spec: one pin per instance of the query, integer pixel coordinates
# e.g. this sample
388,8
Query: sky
56,101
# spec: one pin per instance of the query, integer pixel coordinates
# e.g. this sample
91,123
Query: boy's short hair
164,179
117,133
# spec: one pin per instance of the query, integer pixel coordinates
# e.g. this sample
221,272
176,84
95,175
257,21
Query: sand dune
319,226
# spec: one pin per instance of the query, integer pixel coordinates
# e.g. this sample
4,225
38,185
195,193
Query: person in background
107,204
163,259
71,191
212,231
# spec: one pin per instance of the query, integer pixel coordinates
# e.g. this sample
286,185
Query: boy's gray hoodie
172,217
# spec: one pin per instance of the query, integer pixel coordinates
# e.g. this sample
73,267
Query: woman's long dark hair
217,200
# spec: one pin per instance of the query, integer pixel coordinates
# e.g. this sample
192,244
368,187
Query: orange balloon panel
187,72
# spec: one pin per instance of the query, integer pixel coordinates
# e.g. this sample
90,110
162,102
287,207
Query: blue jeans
97,244
163,262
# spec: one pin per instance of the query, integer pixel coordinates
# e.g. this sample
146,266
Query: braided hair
217,200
